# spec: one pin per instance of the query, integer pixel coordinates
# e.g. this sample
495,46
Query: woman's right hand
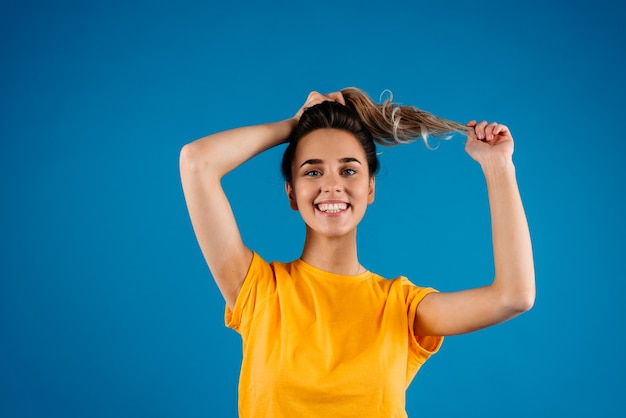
317,98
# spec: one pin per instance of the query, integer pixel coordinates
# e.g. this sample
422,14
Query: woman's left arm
513,289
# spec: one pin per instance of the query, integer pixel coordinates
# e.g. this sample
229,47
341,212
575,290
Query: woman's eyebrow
349,160
341,160
312,161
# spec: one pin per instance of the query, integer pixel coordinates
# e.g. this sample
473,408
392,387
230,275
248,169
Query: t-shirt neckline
333,276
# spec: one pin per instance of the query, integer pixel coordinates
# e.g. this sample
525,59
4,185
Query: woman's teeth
332,207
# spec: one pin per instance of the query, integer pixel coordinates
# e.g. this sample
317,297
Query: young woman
322,335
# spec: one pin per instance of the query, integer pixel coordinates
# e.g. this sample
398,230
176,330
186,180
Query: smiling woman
330,187
322,335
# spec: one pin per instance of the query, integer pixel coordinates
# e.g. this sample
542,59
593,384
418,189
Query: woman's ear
372,189
290,195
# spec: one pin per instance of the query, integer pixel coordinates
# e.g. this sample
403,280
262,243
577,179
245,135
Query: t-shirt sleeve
258,287
421,346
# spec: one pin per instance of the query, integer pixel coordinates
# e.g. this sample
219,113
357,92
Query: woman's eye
312,173
349,171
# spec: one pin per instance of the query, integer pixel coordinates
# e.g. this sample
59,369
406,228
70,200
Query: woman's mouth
332,208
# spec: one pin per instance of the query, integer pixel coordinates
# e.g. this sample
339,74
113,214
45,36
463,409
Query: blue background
107,308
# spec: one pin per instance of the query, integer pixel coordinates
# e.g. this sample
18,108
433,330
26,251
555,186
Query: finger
489,131
471,133
336,96
314,98
501,130
312,95
311,100
480,130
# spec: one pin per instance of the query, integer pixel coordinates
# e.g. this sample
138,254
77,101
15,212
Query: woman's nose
332,183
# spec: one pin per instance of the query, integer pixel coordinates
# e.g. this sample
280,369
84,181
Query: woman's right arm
203,163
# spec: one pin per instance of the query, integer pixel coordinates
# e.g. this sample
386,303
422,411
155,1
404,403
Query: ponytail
393,124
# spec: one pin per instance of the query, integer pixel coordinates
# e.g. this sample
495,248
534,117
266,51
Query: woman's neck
336,255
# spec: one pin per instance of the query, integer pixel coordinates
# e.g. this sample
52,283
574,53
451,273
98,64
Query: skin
513,289
330,166
324,173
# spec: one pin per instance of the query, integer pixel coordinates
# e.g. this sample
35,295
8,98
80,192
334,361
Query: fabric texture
318,344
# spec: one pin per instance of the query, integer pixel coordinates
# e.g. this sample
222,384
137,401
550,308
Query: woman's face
331,185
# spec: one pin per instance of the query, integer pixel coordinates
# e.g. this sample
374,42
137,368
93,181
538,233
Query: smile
332,207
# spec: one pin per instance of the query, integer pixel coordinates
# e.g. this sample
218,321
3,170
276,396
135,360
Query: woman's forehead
329,144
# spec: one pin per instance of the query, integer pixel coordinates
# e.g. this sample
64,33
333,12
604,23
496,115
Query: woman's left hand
489,142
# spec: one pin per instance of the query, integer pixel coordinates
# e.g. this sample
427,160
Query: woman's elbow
520,301
190,158
196,159
525,302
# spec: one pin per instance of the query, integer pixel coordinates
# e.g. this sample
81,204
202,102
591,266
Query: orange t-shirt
318,344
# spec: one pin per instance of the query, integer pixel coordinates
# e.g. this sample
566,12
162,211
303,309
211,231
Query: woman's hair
393,124
331,115
387,123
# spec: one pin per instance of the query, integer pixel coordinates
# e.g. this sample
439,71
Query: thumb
337,97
